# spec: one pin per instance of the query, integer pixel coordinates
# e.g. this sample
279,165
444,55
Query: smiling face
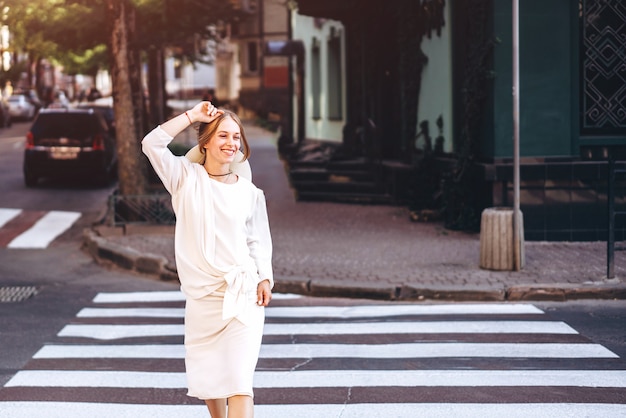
227,127
224,144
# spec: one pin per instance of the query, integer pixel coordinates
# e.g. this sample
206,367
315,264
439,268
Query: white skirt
221,355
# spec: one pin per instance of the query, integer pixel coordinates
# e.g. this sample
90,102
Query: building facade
263,79
427,107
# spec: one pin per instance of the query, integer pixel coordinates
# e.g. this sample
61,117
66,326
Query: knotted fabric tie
241,286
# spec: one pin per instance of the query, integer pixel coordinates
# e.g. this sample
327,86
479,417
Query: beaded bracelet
190,122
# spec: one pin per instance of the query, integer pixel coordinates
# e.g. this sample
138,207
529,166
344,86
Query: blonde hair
206,131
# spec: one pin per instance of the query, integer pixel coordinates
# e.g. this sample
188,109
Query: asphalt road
92,345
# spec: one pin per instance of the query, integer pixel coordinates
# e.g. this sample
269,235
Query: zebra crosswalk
123,356
33,229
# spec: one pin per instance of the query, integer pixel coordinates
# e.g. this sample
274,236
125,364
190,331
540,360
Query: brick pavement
351,250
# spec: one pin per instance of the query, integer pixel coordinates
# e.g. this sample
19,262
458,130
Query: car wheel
30,179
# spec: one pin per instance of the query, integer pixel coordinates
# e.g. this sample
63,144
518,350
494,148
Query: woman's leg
240,406
217,407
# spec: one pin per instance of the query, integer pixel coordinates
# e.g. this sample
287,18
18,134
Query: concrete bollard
497,251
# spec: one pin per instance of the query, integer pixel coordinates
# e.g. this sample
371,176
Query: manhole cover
17,293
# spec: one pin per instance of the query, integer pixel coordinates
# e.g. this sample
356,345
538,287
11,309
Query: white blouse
222,230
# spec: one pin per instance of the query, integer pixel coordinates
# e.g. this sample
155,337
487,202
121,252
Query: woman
223,255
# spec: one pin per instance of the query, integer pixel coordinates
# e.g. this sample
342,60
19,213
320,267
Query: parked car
20,107
33,97
69,143
106,111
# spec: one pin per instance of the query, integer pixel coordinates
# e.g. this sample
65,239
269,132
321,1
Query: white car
20,107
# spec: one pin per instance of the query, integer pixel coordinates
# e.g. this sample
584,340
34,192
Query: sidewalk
330,249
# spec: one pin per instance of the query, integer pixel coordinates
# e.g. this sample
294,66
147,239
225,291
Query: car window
70,125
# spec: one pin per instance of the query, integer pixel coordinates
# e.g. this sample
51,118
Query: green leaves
73,32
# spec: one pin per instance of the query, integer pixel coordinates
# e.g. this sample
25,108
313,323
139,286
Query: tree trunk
29,73
39,79
155,86
128,120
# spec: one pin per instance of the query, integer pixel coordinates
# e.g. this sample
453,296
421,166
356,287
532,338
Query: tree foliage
86,35
75,33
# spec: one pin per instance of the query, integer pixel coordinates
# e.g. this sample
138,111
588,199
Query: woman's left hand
205,112
263,293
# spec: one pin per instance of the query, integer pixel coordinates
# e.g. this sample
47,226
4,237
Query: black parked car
105,109
70,143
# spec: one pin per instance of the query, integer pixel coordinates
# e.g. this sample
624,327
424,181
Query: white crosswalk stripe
33,230
331,378
112,332
411,350
374,360
7,214
380,410
41,234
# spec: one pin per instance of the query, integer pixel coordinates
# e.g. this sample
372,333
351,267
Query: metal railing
141,209
616,168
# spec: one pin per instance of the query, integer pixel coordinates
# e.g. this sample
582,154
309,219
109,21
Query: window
252,57
316,80
335,86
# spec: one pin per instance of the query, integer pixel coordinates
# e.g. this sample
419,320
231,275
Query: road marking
130,297
142,370
373,410
435,350
46,229
332,378
131,313
18,225
7,214
169,351
388,351
111,332
422,327
367,311
164,296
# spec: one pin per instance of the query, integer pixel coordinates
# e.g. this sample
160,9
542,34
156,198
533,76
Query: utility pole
517,221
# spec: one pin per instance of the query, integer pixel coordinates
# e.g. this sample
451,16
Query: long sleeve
260,239
168,167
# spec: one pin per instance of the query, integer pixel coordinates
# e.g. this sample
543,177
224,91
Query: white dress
223,250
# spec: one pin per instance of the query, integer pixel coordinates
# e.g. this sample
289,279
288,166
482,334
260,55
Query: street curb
108,253
105,252
566,292
453,293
